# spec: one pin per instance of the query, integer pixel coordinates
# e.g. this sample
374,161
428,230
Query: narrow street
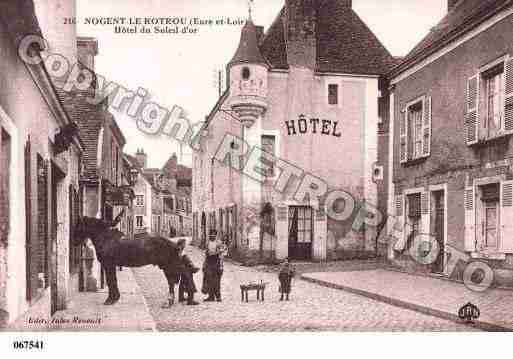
312,307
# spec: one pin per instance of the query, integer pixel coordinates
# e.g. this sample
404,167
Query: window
301,223
494,97
139,221
332,94
489,217
269,146
415,130
414,215
139,200
246,73
489,107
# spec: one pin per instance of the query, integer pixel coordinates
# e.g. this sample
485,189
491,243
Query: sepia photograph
255,166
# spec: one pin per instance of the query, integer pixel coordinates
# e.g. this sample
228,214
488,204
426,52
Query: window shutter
29,265
472,117
508,96
426,138
506,217
425,213
470,220
403,140
399,212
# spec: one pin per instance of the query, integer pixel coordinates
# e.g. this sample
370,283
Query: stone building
306,92
452,120
40,161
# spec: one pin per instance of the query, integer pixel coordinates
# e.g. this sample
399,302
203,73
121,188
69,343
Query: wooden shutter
399,212
31,240
508,96
506,217
472,116
426,127
470,219
403,137
40,243
425,213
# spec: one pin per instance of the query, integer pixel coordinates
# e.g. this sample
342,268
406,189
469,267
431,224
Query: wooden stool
259,288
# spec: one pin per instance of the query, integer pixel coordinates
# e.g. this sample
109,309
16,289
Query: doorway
300,232
438,220
203,230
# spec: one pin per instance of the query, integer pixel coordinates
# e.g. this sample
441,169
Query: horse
113,251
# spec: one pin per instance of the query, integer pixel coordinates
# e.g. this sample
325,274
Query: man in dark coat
187,281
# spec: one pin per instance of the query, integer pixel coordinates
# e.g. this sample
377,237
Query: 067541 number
28,344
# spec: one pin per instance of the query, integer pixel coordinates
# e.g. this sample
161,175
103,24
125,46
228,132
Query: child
285,276
187,281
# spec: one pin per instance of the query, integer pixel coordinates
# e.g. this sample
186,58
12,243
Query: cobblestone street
312,307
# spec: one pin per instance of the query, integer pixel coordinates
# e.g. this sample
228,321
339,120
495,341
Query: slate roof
465,15
272,44
90,119
248,51
345,44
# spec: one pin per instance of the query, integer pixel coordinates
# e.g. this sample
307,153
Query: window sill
415,161
488,254
501,137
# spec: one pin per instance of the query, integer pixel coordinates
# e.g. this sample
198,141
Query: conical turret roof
248,51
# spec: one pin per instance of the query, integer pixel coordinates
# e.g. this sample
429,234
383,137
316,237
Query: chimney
301,33
451,4
87,50
171,167
141,157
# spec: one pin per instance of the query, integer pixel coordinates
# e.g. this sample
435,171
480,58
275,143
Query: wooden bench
258,287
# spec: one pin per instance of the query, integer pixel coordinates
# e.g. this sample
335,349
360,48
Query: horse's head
89,227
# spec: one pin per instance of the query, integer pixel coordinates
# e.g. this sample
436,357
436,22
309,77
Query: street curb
153,327
490,327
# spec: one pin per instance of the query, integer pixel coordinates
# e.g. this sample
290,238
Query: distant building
452,124
162,197
307,92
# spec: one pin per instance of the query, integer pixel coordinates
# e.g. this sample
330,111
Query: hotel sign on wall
313,125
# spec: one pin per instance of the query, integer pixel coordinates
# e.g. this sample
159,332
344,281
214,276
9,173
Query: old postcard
255,166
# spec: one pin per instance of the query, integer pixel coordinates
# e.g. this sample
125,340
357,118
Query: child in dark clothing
285,276
187,281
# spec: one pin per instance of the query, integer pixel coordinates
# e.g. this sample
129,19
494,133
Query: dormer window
246,73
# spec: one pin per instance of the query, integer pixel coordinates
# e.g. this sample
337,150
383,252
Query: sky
180,69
